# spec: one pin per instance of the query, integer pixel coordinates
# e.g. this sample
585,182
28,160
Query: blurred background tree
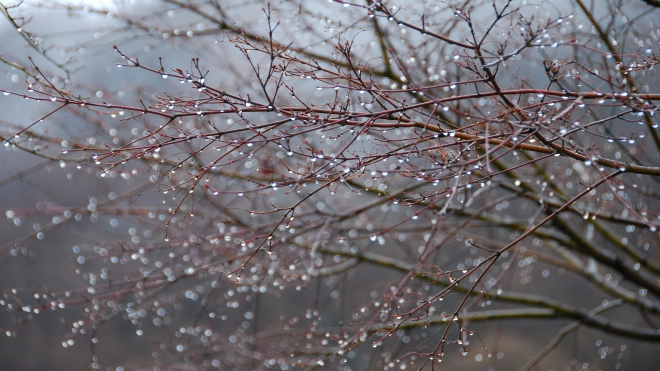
197,185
